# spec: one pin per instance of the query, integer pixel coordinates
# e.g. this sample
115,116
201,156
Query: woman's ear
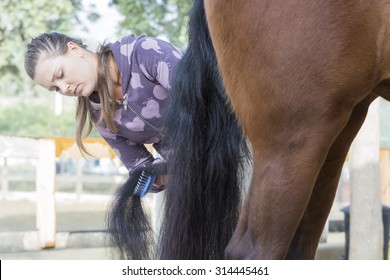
73,47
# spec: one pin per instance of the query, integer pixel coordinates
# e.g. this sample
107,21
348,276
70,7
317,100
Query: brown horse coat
300,75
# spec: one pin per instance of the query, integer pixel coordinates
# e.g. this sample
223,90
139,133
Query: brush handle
146,184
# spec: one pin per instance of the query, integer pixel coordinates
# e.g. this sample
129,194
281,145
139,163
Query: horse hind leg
306,238
292,190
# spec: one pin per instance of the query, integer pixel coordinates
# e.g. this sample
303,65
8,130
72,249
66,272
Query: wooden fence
45,151
65,148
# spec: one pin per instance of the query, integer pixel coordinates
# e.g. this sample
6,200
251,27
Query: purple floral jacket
146,66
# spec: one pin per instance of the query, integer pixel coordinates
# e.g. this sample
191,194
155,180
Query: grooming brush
144,183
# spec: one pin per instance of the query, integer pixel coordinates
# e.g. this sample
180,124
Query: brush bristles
144,182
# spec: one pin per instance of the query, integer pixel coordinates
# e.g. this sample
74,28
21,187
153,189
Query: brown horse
300,75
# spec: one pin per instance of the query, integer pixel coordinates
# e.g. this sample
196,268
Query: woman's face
71,74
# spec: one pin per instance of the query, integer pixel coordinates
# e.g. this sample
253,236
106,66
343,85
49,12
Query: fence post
45,185
4,179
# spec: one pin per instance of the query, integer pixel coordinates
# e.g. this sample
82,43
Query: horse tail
128,222
203,193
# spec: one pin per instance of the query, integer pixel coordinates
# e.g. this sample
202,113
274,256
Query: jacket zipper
126,106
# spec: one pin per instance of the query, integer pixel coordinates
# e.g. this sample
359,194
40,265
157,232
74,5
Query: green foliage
166,18
26,119
29,120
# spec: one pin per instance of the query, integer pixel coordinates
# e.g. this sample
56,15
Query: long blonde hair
107,100
53,44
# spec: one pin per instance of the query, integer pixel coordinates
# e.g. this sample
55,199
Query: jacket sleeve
131,154
157,60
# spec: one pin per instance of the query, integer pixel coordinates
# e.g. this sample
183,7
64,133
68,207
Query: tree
167,18
19,22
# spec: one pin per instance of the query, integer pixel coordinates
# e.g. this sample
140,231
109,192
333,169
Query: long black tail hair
128,221
203,193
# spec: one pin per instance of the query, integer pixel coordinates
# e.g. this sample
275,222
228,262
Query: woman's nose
64,88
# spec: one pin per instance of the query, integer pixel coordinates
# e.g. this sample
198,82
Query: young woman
122,89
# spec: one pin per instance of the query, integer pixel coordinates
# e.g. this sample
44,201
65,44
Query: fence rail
45,152
65,148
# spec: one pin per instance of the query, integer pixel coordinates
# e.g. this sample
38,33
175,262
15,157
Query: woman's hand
159,184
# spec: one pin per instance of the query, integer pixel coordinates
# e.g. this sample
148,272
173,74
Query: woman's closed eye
60,75
54,89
